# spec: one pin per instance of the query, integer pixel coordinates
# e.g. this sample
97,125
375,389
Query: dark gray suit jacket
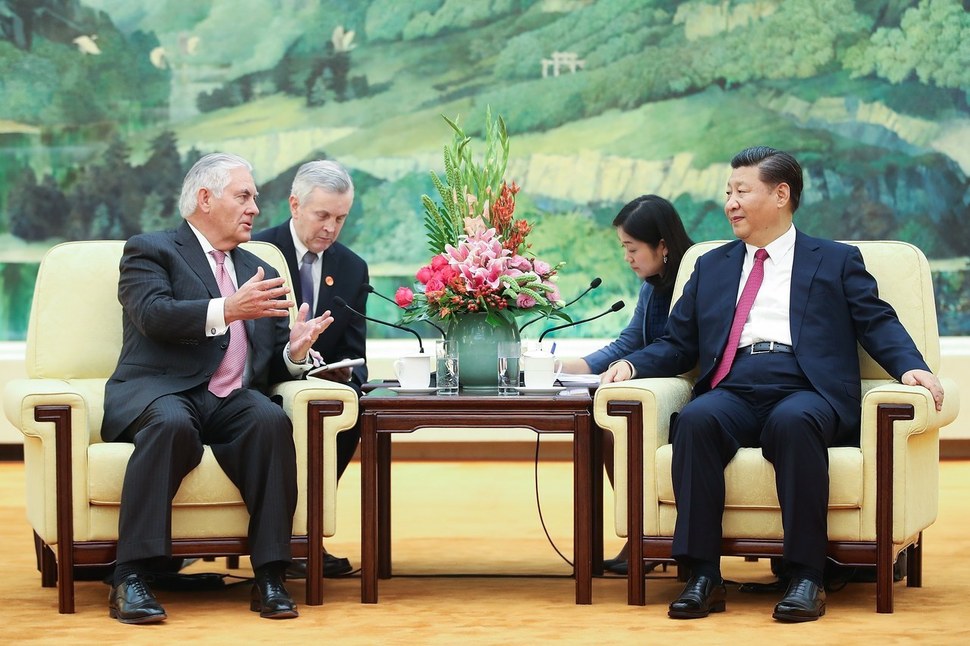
346,338
834,305
165,287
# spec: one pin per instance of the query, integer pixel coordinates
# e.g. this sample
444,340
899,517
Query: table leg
384,505
583,511
596,475
368,509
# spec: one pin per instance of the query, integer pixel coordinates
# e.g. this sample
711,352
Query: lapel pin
329,281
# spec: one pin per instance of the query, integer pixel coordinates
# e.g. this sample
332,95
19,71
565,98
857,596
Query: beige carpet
480,518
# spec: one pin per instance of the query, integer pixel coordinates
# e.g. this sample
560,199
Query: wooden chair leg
46,563
38,550
914,564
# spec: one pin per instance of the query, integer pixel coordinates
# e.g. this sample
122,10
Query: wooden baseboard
954,449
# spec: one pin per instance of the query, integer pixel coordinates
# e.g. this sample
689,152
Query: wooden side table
385,412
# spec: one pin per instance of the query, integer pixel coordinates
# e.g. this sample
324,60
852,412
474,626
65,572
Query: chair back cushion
903,275
75,320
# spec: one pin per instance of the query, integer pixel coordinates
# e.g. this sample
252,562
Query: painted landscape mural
104,104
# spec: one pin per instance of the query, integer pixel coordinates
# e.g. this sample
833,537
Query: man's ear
294,205
782,194
203,200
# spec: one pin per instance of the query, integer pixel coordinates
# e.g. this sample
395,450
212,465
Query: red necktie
748,294
228,376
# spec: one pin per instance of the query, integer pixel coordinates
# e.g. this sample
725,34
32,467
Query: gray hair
325,174
210,172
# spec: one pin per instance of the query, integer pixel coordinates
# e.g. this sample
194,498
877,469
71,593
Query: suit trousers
251,438
765,401
348,440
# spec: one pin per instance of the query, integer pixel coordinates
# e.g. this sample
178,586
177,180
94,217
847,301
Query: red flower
403,296
424,274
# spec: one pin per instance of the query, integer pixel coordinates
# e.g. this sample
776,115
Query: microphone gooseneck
593,284
616,307
370,290
343,304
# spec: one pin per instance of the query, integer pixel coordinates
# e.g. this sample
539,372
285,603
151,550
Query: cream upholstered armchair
882,494
74,479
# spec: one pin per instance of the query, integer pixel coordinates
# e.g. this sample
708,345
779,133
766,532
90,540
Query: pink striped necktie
748,294
228,376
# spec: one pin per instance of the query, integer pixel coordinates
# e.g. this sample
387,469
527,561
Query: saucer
414,391
555,390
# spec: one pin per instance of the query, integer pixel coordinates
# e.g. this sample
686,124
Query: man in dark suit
320,200
206,331
784,376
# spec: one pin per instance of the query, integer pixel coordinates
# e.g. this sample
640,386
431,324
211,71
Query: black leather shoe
132,602
701,597
270,598
621,567
804,601
333,567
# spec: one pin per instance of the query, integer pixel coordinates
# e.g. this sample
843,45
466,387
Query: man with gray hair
206,331
320,201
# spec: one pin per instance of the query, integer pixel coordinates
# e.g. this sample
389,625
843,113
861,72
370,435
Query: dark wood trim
512,450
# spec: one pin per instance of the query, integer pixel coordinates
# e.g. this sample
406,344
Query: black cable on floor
539,505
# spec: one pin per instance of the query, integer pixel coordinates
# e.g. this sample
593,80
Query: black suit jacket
834,305
165,287
346,338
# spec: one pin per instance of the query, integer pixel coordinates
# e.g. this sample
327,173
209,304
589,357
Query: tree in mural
932,43
36,211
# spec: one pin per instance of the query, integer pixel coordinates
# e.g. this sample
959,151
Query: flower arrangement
481,261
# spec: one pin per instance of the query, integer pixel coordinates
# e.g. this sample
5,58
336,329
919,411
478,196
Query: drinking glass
508,367
446,355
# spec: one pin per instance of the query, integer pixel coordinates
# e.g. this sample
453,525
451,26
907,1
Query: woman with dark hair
654,241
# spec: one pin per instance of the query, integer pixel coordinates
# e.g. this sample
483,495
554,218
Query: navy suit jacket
165,287
834,305
346,338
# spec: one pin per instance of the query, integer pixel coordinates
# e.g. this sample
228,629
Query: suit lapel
724,286
329,268
804,266
191,251
283,239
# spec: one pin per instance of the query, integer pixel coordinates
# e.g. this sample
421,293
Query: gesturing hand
258,298
304,333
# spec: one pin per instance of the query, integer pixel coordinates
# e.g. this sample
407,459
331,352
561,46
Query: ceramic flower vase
477,342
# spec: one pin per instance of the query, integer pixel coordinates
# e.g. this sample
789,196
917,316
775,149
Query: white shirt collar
777,248
301,248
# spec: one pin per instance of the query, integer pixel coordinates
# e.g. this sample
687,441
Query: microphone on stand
370,290
615,307
593,284
339,302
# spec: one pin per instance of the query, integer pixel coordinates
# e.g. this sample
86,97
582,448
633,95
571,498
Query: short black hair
774,167
650,219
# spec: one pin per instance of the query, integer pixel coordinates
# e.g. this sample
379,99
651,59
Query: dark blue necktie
306,278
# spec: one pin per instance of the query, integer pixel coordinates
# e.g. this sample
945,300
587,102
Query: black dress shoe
701,597
132,602
804,601
333,567
270,598
621,567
